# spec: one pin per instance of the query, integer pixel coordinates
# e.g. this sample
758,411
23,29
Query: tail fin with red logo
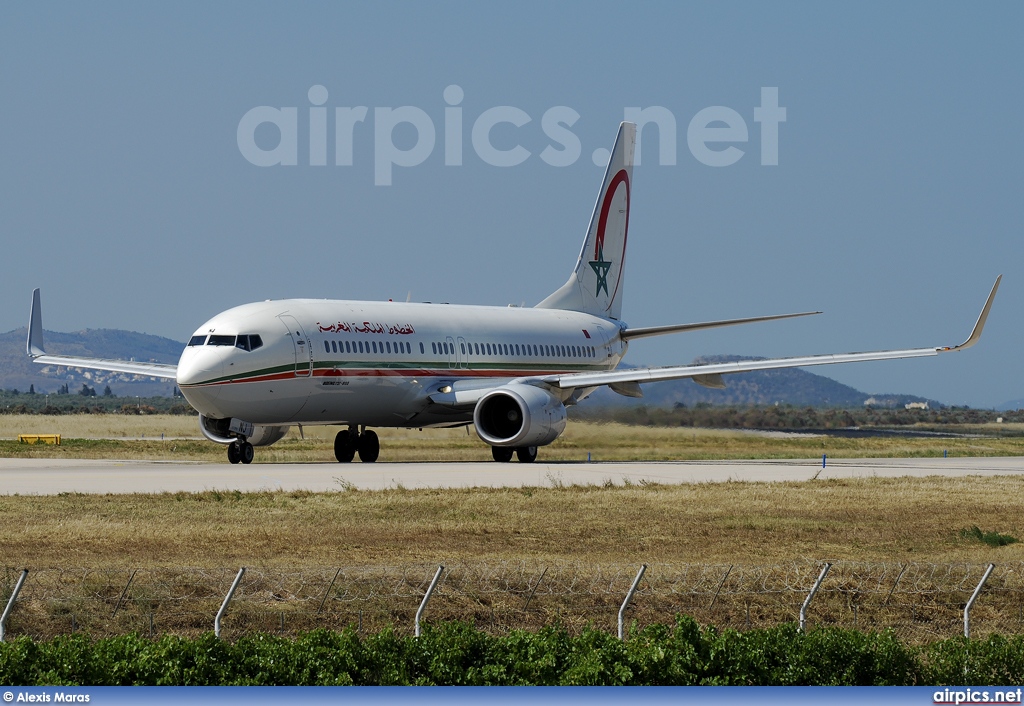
595,286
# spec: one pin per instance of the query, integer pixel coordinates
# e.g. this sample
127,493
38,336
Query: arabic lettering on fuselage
367,327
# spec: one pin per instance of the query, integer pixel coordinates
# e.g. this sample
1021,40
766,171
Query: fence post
426,597
810,596
328,591
10,603
124,593
542,575
895,583
719,589
974,597
227,599
629,596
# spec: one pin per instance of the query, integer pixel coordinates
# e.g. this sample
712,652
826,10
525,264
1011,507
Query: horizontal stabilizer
631,333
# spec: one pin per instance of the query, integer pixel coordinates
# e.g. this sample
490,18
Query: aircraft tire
369,447
344,446
502,454
526,454
234,455
247,453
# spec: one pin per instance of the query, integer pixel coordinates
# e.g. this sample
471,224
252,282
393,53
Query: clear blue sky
896,200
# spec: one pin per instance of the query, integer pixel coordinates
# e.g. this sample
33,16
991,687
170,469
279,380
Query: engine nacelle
519,415
219,431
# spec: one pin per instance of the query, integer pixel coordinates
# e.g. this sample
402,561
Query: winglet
34,345
980,324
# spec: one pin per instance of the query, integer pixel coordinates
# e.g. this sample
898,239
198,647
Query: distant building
916,405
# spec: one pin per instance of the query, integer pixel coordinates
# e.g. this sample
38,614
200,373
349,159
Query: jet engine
519,415
219,431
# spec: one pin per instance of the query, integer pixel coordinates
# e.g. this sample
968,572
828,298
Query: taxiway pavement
53,476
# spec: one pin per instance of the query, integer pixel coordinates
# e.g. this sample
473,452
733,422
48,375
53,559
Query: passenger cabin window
197,340
221,341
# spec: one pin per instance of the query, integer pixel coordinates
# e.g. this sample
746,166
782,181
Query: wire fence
920,602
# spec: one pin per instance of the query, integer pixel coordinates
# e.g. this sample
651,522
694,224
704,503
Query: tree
31,389
87,391
107,392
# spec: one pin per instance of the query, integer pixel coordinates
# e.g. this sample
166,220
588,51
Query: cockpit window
197,340
249,342
221,341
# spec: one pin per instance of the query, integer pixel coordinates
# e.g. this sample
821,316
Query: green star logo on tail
601,267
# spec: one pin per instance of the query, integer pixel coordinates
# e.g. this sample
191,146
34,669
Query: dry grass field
750,523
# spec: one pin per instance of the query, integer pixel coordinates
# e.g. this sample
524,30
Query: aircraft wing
709,374
153,370
34,347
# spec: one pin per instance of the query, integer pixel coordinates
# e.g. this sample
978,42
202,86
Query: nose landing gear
241,450
349,442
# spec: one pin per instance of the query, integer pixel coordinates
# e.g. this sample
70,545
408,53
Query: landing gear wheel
344,446
247,453
527,454
234,454
502,454
369,447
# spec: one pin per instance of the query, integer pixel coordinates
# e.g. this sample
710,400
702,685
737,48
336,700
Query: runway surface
50,477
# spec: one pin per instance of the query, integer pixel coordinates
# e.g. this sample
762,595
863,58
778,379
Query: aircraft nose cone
194,369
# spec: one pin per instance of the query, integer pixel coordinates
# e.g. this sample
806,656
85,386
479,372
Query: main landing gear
503,454
240,450
349,442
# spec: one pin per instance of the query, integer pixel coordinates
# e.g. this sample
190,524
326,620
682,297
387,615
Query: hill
17,371
790,386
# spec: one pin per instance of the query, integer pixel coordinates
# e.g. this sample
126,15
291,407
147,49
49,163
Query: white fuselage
375,363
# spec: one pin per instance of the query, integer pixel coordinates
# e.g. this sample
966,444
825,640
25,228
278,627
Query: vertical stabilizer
595,286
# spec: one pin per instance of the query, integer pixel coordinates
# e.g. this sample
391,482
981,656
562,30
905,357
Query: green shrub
458,654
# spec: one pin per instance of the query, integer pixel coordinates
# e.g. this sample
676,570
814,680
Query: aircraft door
453,353
303,346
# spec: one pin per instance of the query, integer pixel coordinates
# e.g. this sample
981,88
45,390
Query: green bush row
458,654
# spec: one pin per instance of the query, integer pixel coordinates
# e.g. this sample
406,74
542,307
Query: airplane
255,370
